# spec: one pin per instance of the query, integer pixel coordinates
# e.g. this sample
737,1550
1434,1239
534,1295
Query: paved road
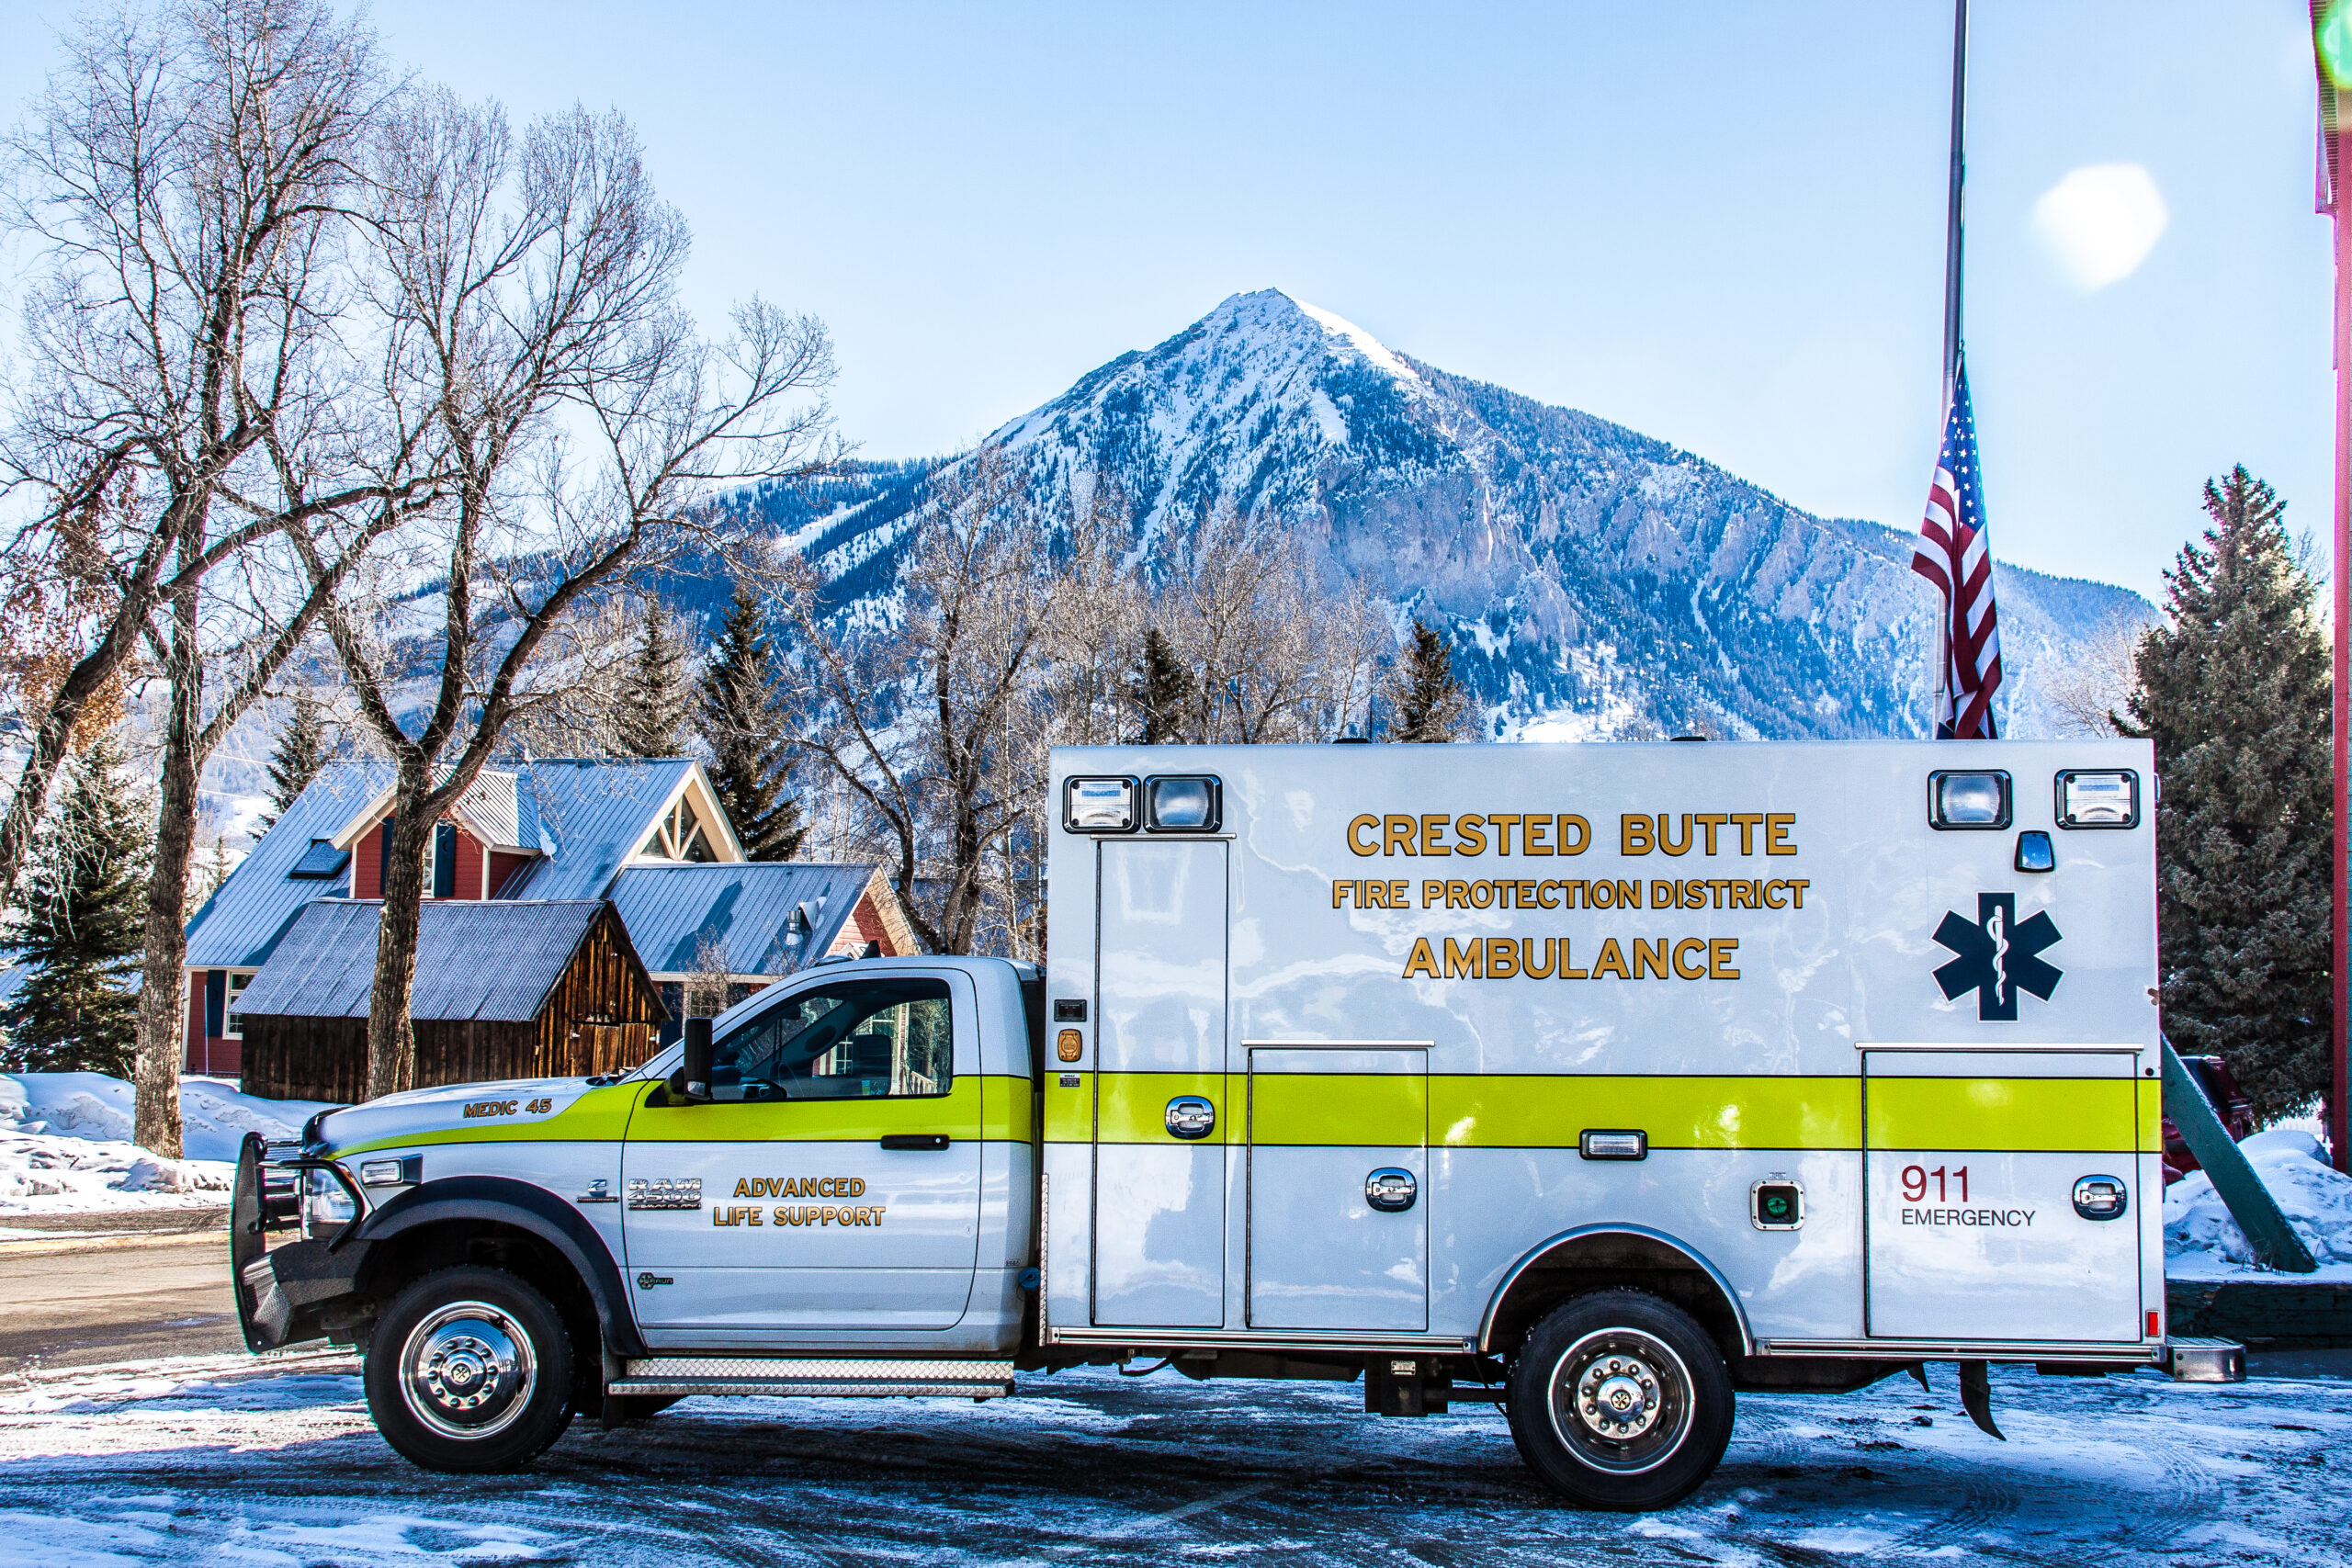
159,1287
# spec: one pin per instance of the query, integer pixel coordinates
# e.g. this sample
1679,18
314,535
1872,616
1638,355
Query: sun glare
2100,222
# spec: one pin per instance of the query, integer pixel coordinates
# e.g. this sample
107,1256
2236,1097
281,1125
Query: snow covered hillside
1591,579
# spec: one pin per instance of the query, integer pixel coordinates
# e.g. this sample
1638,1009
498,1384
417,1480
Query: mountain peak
1273,311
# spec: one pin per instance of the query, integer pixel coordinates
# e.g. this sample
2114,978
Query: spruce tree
749,749
301,750
1429,703
2233,691
1161,689
653,695
82,926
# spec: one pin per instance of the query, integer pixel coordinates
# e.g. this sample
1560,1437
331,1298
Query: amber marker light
1068,1044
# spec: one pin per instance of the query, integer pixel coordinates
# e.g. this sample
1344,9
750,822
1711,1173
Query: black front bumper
286,1294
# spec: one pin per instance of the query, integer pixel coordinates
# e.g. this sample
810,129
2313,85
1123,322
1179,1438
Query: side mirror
695,1069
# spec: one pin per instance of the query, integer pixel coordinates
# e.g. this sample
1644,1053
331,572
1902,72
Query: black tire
426,1365
1620,1401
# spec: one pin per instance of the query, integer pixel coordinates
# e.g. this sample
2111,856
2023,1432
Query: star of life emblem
1999,956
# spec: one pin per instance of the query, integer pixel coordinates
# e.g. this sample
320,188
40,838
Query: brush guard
282,1293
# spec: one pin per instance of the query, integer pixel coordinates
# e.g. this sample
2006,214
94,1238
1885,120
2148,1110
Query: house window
232,1026
680,835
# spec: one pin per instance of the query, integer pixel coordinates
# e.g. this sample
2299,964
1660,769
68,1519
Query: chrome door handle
1189,1117
915,1140
1390,1191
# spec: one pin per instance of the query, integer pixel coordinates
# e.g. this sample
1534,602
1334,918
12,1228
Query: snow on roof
495,961
593,815
587,817
747,908
240,923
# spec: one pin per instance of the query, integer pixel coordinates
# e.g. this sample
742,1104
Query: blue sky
1721,224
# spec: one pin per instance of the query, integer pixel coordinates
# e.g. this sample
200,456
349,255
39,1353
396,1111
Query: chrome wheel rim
467,1371
1621,1401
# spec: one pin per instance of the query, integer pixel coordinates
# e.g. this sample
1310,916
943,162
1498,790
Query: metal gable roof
241,921
488,804
593,815
748,908
325,965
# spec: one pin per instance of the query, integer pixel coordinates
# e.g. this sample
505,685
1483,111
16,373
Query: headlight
2110,799
326,1207
392,1172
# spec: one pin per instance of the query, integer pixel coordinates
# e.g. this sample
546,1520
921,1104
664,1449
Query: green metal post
2276,1245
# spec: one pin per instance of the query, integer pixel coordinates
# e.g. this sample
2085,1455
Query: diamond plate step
810,1377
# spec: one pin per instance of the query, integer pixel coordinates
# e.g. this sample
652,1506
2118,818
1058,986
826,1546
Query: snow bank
65,1143
2202,1242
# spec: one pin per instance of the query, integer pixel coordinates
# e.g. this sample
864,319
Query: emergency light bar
1099,806
2108,799
1191,804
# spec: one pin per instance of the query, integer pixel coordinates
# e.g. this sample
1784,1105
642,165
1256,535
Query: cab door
1161,1117
2002,1194
833,1182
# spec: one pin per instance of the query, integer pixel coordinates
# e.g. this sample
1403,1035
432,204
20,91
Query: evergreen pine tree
2233,692
82,927
749,749
654,695
300,753
1429,703
1161,689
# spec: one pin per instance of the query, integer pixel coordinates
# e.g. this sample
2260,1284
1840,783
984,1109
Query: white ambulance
1596,1081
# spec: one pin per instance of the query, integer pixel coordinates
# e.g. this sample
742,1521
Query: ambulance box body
1567,987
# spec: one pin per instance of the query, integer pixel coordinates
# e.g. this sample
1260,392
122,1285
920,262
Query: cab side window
859,1040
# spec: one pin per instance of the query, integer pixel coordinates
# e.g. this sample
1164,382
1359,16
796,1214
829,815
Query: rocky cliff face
1594,583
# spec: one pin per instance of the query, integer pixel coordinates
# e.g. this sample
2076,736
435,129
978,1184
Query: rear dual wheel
1618,1400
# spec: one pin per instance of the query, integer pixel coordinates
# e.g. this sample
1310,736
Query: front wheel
470,1370
1618,1400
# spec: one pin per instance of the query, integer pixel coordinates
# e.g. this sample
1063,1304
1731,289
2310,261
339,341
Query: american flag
1954,555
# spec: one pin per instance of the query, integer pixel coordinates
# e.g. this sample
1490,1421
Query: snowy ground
65,1143
237,1461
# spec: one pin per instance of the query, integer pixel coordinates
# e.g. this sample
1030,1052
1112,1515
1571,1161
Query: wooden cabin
504,990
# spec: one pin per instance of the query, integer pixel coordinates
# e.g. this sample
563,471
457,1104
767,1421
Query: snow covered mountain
1594,583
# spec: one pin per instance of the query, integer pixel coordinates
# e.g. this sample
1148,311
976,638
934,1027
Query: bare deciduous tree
184,182
1275,653
927,713
530,287
1010,633
2093,687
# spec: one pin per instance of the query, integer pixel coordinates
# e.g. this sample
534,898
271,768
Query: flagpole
1959,176
1945,696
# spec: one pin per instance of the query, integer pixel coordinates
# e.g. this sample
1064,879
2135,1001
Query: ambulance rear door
2002,1193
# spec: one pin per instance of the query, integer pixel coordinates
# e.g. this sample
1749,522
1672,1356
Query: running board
780,1377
